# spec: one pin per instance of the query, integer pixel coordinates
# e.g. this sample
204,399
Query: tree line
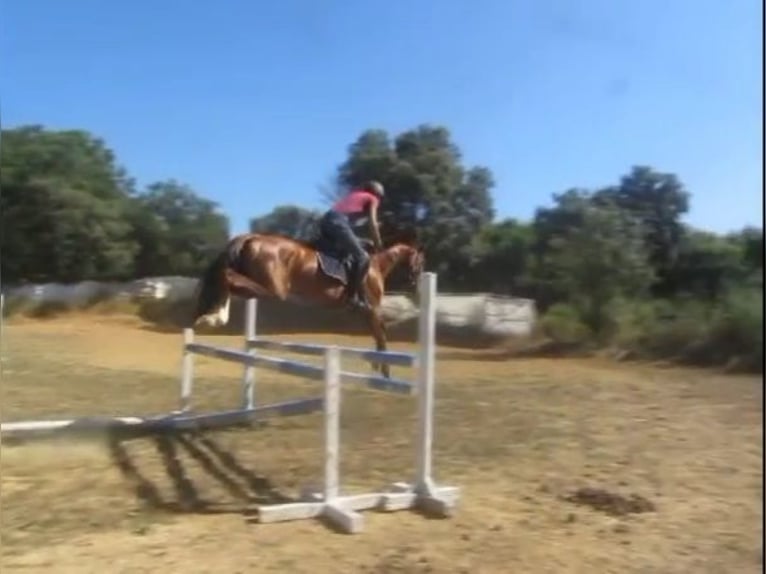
615,263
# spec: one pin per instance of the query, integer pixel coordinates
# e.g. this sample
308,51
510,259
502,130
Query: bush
736,332
660,329
48,309
15,305
562,324
99,301
729,332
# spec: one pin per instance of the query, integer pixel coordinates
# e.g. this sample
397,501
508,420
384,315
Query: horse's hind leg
274,278
379,333
245,287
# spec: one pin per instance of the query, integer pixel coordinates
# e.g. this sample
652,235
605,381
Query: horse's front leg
379,333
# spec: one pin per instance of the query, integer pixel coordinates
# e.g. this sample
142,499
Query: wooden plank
446,496
280,365
357,502
283,409
348,521
83,423
164,422
295,407
379,383
202,420
299,369
393,358
289,511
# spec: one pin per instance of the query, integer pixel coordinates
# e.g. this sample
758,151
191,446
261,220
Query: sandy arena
565,466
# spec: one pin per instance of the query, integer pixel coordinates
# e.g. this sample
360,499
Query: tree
427,189
707,265
549,223
289,220
750,242
594,255
503,256
658,200
176,229
63,208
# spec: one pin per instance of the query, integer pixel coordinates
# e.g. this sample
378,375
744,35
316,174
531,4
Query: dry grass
553,458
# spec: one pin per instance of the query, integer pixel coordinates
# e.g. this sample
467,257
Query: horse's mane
405,235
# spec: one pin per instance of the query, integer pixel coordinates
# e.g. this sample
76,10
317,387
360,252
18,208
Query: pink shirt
355,202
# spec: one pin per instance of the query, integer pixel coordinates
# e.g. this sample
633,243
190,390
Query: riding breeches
337,227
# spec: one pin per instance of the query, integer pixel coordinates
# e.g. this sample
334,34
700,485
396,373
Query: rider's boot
358,298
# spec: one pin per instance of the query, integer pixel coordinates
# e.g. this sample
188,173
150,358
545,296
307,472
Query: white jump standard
423,494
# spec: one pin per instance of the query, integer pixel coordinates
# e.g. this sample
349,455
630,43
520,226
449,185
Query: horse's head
415,263
413,255
404,250
401,254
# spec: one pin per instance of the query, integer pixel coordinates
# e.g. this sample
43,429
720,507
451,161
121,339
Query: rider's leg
339,228
360,272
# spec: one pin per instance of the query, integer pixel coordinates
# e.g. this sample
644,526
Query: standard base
342,512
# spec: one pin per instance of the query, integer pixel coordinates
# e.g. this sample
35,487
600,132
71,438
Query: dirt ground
565,466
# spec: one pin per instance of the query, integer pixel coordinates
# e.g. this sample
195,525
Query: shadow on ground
246,487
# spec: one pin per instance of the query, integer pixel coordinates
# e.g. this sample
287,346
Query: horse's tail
213,296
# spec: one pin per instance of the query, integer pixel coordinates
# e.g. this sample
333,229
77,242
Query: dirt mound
610,502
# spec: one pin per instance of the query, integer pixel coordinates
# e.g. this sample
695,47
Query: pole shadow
180,453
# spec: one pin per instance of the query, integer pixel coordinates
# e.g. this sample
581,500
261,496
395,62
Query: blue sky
254,103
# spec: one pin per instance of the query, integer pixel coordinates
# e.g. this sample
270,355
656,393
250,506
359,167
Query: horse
273,266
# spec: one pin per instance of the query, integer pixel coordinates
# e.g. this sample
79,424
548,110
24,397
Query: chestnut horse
273,266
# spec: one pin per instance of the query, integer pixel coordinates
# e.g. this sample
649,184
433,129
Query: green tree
750,242
595,257
176,229
549,223
503,252
658,200
427,189
708,264
289,220
63,208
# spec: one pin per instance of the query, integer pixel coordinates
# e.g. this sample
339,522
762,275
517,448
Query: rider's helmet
375,187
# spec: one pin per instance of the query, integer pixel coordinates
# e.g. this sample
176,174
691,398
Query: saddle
332,262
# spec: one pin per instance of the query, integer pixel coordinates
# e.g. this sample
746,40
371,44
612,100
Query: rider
359,206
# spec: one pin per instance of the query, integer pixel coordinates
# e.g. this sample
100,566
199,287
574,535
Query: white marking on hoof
209,320
223,312
216,318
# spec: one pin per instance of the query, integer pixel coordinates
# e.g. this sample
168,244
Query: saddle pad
332,267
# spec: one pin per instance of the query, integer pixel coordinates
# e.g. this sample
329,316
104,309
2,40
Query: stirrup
359,305
358,302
